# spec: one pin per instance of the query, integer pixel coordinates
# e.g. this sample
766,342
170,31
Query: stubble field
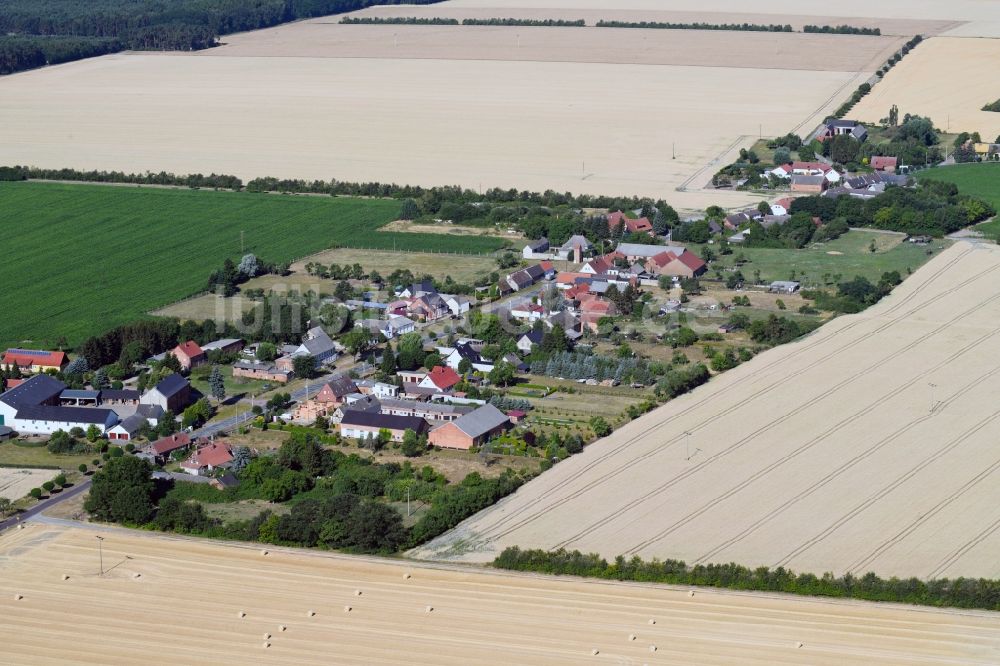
867,446
16,483
185,605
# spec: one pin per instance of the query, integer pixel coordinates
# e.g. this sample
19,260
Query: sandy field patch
16,483
534,125
867,446
946,78
185,607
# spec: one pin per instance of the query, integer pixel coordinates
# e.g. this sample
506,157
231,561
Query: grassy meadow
83,258
979,180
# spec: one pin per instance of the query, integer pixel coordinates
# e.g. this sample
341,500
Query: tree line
195,180
865,88
185,25
659,25
959,593
841,30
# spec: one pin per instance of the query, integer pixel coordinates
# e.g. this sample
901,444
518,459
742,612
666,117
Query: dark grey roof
66,414
342,385
535,272
171,385
80,394
119,394
808,180
540,245
535,337
6,431
133,423
149,411
377,420
481,421
34,391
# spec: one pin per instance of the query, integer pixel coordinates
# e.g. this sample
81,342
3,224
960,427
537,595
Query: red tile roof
691,260
881,162
546,266
170,443
632,226
443,377
29,357
212,455
190,349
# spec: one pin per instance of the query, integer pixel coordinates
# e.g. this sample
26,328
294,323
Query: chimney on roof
577,254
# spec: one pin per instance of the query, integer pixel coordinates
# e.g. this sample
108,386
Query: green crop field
846,256
979,180
83,258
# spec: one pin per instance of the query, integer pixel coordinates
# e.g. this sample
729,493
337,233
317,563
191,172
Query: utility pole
673,151
100,553
687,445
933,403
407,500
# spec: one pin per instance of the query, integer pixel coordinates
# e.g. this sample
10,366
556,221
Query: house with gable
189,355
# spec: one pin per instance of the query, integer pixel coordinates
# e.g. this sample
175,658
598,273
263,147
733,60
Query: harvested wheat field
568,109
172,600
868,446
948,79
16,483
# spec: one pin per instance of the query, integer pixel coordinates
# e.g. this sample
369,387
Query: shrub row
960,593
657,25
865,88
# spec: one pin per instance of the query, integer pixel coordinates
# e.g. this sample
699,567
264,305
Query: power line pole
100,553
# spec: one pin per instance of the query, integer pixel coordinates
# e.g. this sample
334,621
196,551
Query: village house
356,402
417,289
812,169
189,355
31,361
458,305
453,356
809,184
575,249
569,322
592,310
159,452
528,311
472,429
378,389
319,345
528,340
33,407
884,163
441,378
389,328
127,429
628,225
685,265
335,391
839,127
172,394
368,425
428,307
208,458
262,371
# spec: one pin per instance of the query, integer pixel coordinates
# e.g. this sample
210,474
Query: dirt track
868,446
185,606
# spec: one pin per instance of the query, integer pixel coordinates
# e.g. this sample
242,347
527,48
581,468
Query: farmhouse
790,171
365,425
317,344
429,411
574,249
224,346
128,429
159,451
880,163
529,340
536,249
618,220
189,355
34,407
268,372
639,252
378,389
34,360
335,391
417,289
172,394
849,128
470,430
441,378
686,264
458,305
389,328
206,459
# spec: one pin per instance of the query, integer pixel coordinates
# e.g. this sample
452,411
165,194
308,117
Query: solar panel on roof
30,352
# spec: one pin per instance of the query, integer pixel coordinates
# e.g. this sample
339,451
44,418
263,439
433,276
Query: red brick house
473,429
189,354
335,390
158,451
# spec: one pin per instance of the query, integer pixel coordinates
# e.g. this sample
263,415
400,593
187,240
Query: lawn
979,180
820,263
84,258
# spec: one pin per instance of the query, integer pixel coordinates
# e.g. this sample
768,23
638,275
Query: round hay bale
652,648
406,576
137,575
65,576
282,627
241,614
18,597
263,552
595,652
429,609
310,613
266,644
631,637
266,636
347,609
798,644
652,621
21,526
691,593
357,593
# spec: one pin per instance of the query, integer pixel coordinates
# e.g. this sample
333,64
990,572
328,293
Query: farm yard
91,256
867,446
289,607
464,87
